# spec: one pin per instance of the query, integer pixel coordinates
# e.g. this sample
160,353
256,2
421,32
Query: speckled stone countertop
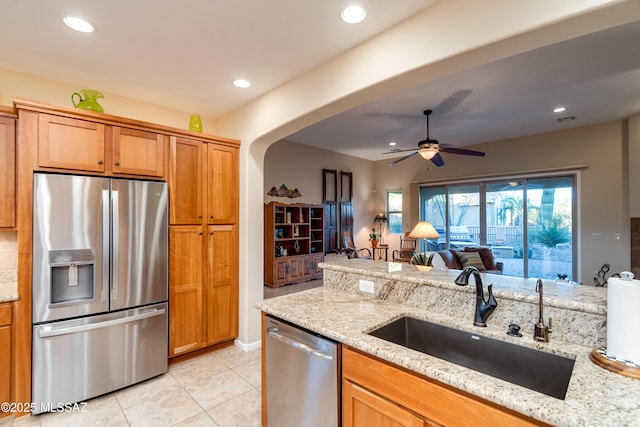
8,286
338,311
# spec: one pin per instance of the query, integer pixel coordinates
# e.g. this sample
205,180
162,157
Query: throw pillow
486,254
471,259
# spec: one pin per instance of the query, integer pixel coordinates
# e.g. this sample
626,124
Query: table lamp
424,230
380,219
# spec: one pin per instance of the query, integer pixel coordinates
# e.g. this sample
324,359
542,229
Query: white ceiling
597,77
184,55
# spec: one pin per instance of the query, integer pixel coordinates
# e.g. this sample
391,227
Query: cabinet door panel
137,152
185,289
66,143
281,271
222,283
186,175
5,354
7,171
222,184
361,408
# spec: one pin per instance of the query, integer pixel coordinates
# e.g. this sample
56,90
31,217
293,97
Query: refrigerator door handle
53,332
104,274
115,240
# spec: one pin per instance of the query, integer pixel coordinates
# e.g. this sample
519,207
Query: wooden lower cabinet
395,397
222,285
203,286
365,409
5,354
185,289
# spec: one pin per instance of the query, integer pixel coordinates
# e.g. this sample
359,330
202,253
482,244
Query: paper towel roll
623,319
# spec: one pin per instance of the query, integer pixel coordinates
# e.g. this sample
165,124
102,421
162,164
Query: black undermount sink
534,369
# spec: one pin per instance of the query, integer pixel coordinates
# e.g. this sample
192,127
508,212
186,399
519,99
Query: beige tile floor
216,389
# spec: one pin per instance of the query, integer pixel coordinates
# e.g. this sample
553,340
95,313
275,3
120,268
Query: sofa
460,259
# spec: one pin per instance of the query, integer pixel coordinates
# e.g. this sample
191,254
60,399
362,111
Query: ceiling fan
430,149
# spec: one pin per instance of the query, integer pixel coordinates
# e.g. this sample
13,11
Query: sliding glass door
550,207
529,223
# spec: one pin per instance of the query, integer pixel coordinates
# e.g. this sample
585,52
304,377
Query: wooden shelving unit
293,243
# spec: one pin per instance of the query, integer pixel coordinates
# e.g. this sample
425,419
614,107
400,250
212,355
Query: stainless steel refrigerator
100,289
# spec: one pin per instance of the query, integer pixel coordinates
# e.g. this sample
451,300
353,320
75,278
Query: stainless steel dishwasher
302,376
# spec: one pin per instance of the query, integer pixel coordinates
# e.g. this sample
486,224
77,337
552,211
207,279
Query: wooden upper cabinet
186,176
222,184
82,145
66,143
137,152
7,171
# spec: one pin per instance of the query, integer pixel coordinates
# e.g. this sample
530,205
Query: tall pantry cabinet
203,236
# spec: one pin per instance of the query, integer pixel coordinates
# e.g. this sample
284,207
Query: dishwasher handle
273,332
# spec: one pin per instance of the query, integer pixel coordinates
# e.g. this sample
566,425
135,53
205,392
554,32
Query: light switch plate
366,286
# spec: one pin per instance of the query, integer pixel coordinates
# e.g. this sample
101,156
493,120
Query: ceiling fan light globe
428,153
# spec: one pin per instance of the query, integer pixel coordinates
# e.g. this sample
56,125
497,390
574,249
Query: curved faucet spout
483,308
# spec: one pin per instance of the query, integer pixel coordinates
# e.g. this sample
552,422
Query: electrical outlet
366,286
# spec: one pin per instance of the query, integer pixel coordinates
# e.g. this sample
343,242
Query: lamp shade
424,230
381,217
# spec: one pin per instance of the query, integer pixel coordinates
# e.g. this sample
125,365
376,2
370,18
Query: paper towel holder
628,369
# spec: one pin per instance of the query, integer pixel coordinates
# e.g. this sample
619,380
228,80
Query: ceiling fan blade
452,101
437,160
399,151
402,158
395,116
453,150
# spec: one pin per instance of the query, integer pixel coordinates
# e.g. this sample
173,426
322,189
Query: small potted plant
422,261
373,238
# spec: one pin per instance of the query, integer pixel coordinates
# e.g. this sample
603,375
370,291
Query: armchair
407,249
350,248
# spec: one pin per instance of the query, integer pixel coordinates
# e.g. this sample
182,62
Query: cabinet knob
211,216
199,216
99,162
117,163
199,233
211,233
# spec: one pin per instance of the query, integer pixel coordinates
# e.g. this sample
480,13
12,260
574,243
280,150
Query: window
494,214
394,211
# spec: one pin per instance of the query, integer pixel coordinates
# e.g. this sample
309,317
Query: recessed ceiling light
559,109
241,83
353,14
393,143
78,24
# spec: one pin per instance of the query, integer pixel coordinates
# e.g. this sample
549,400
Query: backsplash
635,246
8,250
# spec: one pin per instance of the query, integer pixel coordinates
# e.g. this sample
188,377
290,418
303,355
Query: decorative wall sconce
283,191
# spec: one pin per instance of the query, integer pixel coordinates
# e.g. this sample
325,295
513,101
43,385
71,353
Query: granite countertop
8,286
595,396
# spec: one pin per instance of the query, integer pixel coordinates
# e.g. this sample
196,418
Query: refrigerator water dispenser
72,275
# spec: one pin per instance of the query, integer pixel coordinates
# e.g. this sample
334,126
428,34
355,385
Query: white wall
298,165
633,162
603,195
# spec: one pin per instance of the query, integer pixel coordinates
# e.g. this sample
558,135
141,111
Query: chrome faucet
540,330
483,308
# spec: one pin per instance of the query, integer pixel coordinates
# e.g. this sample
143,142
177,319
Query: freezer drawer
79,359
302,376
